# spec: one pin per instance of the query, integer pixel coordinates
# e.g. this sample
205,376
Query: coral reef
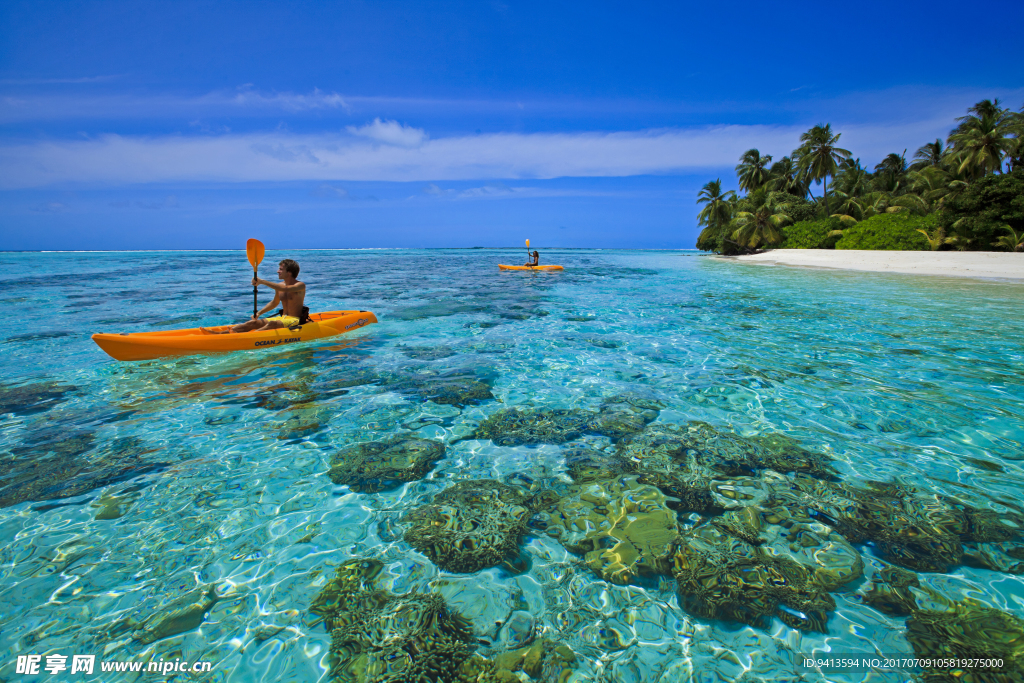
26,399
185,614
455,388
302,420
62,465
516,427
770,544
384,465
720,576
660,457
617,418
470,526
347,377
732,455
939,628
620,416
112,506
603,343
1001,557
623,528
793,534
379,637
427,352
923,533
761,555
439,309
971,632
545,661
586,464
890,591
684,461
385,638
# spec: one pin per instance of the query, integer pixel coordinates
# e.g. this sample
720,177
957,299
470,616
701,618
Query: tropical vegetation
965,192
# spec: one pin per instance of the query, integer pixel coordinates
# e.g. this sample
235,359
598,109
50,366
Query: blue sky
187,125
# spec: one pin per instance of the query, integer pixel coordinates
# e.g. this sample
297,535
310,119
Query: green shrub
989,203
802,210
719,241
889,231
810,234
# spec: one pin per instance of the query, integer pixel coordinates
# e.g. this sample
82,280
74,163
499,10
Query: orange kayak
504,267
148,345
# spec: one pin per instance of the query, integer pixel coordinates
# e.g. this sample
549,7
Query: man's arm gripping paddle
254,250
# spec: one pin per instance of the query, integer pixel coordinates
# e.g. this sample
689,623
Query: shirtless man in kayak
535,260
289,293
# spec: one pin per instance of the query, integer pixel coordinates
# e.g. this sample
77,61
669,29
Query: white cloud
50,207
283,156
390,133
57,81
169,202
327,190
286,101
501,191
488,191
241,101
803,102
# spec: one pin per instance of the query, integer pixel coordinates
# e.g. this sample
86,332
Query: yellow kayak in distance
502,266
149,345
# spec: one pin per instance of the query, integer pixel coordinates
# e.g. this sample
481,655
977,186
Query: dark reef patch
25,399
427,352
458,388
380,637
69,466
516,427
470,526
384,465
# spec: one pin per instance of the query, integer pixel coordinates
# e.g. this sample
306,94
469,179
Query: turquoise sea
181,509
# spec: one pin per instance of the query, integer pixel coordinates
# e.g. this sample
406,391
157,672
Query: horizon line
156,251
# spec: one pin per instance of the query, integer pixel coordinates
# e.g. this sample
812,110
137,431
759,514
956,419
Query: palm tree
893,163
928,154
980,110
890,173
715,215
761,224
818,157
936,239
851,182
932,184
1014,241
752,170
1016,126
850,208
784,177
982,138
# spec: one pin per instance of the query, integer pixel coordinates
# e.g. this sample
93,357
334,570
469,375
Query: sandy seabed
982,264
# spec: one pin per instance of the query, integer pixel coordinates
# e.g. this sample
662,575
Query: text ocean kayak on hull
149,345
502,266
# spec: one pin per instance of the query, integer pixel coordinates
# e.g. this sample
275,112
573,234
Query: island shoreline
964,264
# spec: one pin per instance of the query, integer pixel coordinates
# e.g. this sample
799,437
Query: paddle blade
527,244
254,250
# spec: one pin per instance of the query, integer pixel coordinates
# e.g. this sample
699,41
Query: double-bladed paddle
254,250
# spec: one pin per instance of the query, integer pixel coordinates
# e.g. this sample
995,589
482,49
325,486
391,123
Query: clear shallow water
217,465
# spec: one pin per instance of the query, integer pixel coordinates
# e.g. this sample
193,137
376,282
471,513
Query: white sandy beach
983,264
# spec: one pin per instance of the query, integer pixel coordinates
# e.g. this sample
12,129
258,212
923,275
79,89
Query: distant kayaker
534,261
289,293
